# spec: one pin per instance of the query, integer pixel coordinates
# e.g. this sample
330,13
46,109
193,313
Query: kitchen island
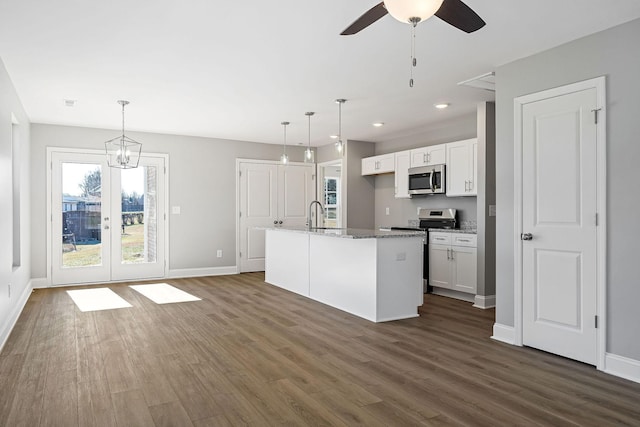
373,274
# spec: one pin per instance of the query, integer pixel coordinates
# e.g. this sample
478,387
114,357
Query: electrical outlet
387,211
401,256
175,210
219,253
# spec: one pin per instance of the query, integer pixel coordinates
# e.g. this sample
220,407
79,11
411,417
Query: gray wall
16,276
202,182
359,193
613,53
486,197
403,210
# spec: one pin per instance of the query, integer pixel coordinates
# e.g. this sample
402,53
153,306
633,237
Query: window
331,201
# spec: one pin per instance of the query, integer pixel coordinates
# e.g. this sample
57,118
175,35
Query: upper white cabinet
462,168
427,156
378,164
403,160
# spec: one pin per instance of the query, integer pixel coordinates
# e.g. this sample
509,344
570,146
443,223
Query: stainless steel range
431,218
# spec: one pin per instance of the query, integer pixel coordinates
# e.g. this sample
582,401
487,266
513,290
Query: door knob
526,236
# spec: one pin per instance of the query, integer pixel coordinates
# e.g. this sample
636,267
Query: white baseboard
622,367
15,314
40,283
484,302
201,272
453,294
504,333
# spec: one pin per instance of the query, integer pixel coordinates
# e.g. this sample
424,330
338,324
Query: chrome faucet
309,219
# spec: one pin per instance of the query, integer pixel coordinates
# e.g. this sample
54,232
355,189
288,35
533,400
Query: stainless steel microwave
427,180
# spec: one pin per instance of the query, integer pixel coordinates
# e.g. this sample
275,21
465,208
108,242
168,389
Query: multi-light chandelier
122,151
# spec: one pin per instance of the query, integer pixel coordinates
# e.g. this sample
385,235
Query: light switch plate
175,210
492,210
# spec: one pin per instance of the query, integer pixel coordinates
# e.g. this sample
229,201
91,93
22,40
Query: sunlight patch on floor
163,293
97,299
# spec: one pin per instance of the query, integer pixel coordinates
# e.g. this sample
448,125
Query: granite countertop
350,233
455,230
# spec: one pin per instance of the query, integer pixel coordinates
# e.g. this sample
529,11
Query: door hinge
597,220
239,173
240,214
595,115
240,254
596,321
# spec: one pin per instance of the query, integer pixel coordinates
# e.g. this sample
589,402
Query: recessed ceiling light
333,136
378,124
70,102
441,106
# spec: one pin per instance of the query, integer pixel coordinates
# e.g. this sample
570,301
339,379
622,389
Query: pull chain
414,61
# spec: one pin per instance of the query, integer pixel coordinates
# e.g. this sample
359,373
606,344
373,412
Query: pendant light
123,152
284,159
308,153
339,143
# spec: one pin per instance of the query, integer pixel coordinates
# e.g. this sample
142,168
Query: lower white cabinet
453,261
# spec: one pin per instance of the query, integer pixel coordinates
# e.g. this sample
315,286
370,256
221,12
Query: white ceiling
236,69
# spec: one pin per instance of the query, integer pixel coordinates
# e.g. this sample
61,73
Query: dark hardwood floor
252,354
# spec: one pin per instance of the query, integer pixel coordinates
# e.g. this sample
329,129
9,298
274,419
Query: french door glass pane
139,206
81,215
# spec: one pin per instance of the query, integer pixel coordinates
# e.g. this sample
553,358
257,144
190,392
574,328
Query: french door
106,223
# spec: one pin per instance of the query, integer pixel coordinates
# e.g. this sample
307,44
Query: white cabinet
462,168
453,261
378,164
403,159
427,156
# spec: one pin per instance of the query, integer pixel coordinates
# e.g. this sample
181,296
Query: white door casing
559,193
269,194
110,265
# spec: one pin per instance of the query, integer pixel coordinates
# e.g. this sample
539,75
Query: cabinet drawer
440,238
470,240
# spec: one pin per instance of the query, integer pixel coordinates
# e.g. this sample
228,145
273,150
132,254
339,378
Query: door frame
320,186
49,167
598,83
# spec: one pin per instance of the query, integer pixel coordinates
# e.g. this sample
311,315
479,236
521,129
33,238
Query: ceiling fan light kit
409,10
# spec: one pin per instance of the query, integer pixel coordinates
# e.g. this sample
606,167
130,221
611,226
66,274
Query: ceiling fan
453,12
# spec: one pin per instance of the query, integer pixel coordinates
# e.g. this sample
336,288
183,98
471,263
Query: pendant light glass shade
406,10
339,144
284,158
309,156
123,152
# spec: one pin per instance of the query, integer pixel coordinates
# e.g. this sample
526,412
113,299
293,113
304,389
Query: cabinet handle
448,253
452,251
470,185
464,240
428,157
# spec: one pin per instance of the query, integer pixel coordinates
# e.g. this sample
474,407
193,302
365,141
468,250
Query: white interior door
106,224
258,187
270,194
559,205
295,193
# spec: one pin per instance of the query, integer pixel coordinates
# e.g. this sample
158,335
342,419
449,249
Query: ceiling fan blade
370,16
461,16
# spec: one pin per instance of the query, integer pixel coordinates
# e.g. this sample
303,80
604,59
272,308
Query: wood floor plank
252,354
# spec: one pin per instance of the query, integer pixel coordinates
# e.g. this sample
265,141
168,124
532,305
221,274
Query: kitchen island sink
374,274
